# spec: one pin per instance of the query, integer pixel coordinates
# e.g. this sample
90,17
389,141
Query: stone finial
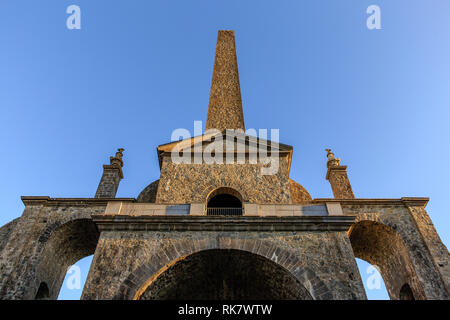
332,161
225,103
117,159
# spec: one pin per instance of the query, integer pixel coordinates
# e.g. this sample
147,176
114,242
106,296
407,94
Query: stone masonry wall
398,217
5,232
191,183
27,258
322,261
109,183
436,247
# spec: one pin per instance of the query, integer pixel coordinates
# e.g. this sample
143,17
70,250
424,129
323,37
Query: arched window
224,202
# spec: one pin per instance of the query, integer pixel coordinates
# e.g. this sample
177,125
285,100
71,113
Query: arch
75,279
224,201
406,293
373,281
63,244
380,245
233,189
222,191
137,281
224,274
43,292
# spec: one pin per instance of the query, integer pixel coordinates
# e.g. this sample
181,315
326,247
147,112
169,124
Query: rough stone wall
124,261
225,103
5,232
436,247
399,219
44,243
109,183
191,183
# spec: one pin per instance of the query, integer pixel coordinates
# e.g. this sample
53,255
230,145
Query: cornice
222,223
404,201
45,200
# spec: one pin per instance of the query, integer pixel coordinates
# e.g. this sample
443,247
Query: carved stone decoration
117,160
332,161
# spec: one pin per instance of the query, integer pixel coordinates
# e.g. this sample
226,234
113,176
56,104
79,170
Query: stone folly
223,231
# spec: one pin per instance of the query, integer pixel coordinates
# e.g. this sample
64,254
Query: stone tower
223,230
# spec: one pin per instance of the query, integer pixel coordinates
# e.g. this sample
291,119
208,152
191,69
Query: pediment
201,142
238,142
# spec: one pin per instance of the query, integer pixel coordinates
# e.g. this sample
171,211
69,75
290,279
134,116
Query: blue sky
139,69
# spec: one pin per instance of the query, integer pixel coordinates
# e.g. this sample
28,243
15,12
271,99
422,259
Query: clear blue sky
139,69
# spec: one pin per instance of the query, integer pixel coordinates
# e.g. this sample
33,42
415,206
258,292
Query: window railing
224,211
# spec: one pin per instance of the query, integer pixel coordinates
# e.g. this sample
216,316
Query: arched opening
43,292
381,246
224,274
372,280
65,245
224,201
406,293
75,278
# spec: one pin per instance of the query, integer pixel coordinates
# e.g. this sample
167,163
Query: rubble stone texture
225,103
181,253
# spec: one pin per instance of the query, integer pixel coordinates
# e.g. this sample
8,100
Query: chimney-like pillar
337,176
112,174
225,102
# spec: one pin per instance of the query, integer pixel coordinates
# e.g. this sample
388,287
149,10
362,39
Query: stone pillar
337,176
112,174
433,242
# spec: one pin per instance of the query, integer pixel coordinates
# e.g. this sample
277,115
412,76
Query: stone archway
64,243
382,246
223,274
170,253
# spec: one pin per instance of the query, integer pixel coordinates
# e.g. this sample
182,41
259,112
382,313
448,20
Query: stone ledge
416,201
45,200
218,223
